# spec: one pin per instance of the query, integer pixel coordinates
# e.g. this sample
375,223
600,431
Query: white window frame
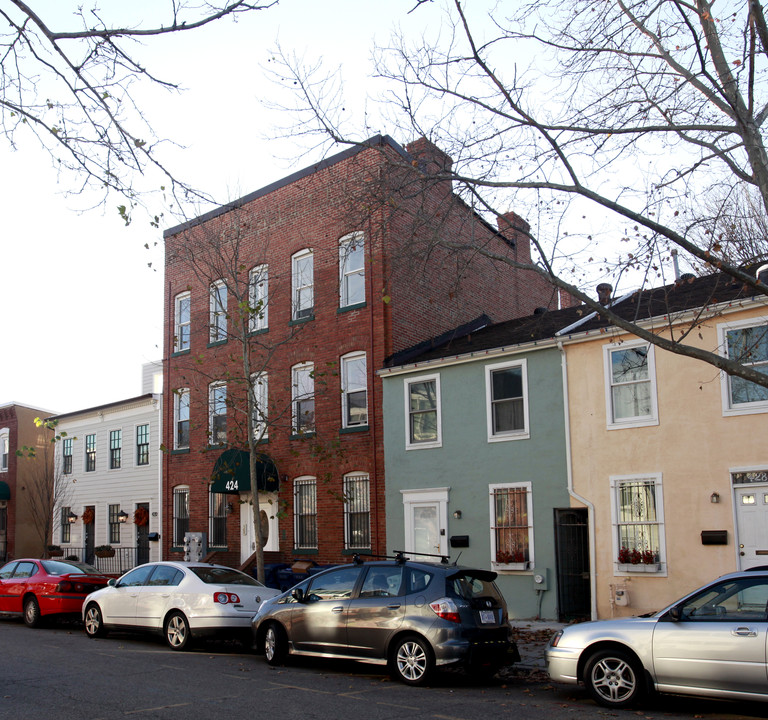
304,481
67,455
637,421
356,505
616,481
347,273
5,448
217,409
503,436
260,421
729,407
492,490
218,312
349,386
258,296
301,379
115,449
180,403
182,322
409,443
302,292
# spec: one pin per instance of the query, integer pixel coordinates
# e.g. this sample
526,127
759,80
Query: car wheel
275,644
614,678
32,616
94,622
412,660
177,632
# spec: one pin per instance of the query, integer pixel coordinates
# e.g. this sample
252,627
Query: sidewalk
532,637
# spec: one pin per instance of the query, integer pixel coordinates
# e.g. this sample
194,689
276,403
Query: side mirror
297,594
674,613
112,582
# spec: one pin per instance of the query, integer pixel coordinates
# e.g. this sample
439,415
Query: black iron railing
124,559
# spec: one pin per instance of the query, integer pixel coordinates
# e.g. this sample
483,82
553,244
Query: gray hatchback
412,616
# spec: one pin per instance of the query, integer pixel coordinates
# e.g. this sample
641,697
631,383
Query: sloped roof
688,293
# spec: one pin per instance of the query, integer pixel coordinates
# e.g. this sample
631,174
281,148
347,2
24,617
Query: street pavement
532,637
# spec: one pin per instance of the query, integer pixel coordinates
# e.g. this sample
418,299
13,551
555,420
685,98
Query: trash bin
271,570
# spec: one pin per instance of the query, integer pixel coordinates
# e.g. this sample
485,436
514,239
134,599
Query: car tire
412,660
176,632
275,644
94,622
32,616
614,678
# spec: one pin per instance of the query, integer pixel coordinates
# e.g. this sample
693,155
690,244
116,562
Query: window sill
355,429
260,331
636,423
511,566
180,451
305,551
423,446
179,353
639,567
745,409
363,552
521,435
349,308
301,321
302,435
216,343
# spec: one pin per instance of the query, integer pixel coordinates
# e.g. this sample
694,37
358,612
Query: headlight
555,638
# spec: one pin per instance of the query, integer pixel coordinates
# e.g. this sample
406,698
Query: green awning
231,473
5,491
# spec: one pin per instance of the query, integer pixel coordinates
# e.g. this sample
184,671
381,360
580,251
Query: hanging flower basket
55,551
141,516
87,516
104,551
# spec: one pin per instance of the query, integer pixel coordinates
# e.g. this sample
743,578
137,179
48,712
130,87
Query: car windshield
471,587
223,576
59,567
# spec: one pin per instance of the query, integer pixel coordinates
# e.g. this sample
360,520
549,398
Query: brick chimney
514,228
431,159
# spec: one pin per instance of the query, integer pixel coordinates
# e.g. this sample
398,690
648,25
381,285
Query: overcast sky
83,308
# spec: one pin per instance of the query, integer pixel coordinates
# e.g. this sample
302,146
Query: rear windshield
223,576
470,587
58,567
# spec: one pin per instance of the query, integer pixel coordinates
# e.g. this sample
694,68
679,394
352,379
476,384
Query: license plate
487,616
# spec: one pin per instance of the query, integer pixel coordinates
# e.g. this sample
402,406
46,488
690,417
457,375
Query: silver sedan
180,600
713,642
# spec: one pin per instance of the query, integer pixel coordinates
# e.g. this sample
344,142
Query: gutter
572,492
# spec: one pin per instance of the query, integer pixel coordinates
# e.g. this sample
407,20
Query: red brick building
299,291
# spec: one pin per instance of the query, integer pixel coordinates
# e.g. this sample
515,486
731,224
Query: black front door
90,536
142,538
572,549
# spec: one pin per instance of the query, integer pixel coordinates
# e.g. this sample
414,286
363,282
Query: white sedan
181,600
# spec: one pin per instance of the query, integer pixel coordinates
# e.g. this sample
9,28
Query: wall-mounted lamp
122,516
714,497
72,517
457,514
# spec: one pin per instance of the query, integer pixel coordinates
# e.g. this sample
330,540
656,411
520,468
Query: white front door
426,520
752,520
269,525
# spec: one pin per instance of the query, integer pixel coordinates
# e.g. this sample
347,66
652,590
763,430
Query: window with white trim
506,389
302,284
64,524
422,412
115,449
142,444
357,511
217,519
259,421
511,508
4,449
351,269
90,453
66,456
182,318
630,394
114,524
180,514
258,288
747,342
181,419
217,413
218,312
354,390
637,514
305,512
303,391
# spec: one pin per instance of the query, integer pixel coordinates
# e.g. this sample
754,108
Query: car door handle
394,606
744,632
338,609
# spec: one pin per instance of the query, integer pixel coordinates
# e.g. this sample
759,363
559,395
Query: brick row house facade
297,293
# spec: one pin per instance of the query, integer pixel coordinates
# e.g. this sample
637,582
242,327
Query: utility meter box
195,546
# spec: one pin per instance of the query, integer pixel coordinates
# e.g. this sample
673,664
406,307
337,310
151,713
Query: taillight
225,598
64,587
446,609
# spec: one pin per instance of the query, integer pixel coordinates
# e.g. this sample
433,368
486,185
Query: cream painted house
669,455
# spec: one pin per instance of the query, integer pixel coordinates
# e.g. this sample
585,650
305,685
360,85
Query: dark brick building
298,292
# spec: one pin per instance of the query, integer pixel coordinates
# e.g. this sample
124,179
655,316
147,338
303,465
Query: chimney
430,158
514,228
604,291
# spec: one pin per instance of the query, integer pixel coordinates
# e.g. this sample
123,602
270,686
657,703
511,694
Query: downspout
572,492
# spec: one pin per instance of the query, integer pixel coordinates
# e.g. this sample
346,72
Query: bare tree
629,114
73,88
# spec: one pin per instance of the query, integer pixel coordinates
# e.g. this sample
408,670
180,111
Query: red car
36,588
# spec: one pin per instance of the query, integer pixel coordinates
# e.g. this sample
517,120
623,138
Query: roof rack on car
400,556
